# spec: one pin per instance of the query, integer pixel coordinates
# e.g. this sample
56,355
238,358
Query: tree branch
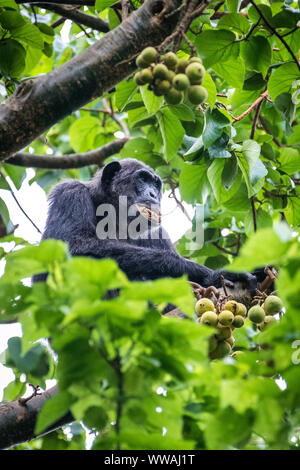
77,16
40,102
66,162
17,421
253,105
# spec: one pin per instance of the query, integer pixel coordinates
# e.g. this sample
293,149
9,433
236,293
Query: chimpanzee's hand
247,280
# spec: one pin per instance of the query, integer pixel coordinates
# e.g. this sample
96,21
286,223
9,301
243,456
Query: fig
197,94
141,63
241,309
222,350
238,321
232,306
181,82
195,59
160,71
195,71
204,305
224,333
174,96
209,318
164,86
226,317
170,59
138,79
181,66
256,314
272,305
149,55
146,75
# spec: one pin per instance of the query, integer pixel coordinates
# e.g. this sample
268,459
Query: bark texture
40,102
17,421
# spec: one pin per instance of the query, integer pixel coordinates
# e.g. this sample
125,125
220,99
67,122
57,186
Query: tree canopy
69,103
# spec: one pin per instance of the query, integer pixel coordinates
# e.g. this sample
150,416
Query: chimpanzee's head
133,179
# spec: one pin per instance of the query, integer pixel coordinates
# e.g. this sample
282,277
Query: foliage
119,361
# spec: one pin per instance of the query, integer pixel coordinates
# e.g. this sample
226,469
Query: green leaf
83,132
153,103
215,122
172,133
101,5
263,220
257,252
257,54
282,79
217,46
12,57
53,409
232,71
289,160
34,259
193,182
124,92
183,112
219,148
235,21
252,168
29,34
210,86
214,173
11,19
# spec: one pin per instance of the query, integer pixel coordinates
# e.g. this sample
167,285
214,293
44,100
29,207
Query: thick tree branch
40,102
66,162
77,16
17,421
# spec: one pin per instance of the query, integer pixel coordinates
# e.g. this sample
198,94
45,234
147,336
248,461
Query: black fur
72,218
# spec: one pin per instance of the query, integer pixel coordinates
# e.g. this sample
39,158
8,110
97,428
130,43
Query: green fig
272,305
197,94
181,82
160,71
195,71
256,314
149,55
238,321
170,60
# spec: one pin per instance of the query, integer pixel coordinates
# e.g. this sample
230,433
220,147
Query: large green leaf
217,46
282,79
12,57
172,133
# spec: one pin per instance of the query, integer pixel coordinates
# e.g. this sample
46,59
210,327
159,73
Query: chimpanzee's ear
109,171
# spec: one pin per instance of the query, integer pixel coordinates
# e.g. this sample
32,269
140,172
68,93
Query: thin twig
253,105
276,34
255,119
253,214
19,205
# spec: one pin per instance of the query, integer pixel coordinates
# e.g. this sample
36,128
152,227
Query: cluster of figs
225,318
170,77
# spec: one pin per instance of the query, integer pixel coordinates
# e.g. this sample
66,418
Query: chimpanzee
77,209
